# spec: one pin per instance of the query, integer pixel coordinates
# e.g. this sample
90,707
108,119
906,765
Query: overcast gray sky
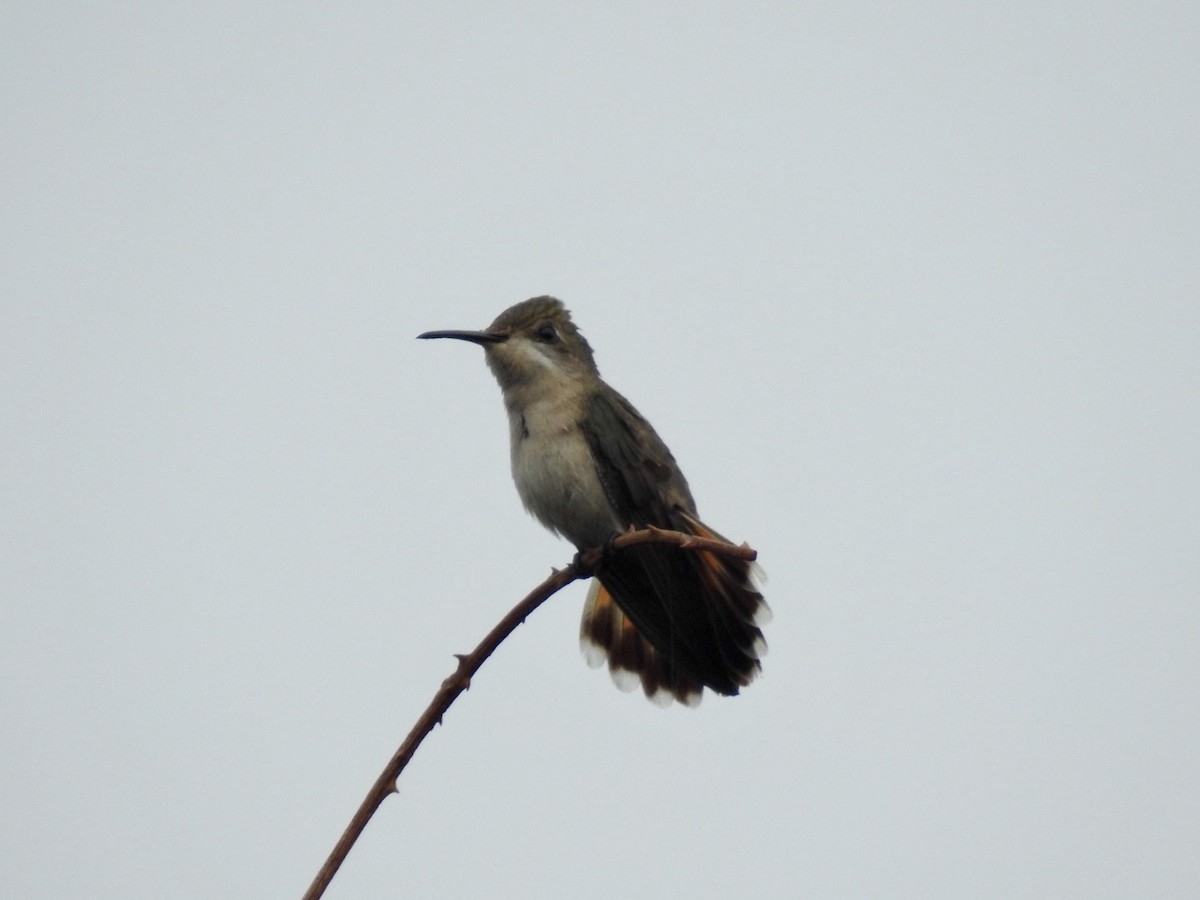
912,292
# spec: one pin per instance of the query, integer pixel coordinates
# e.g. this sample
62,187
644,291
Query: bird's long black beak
475,337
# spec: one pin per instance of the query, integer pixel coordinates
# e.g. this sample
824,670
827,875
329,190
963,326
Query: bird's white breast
555,472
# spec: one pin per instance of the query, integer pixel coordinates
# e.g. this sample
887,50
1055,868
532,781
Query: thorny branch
583,565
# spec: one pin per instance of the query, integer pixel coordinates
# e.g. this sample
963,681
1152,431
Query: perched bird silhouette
588,466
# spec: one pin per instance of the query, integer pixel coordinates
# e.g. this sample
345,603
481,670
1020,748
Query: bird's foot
587,561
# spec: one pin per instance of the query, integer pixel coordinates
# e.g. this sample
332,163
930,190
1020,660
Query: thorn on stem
458,679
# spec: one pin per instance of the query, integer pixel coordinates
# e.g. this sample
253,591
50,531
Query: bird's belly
557,480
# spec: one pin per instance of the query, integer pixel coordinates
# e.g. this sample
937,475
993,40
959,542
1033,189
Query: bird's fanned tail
676,620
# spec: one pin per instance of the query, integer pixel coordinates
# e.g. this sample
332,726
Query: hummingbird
588,466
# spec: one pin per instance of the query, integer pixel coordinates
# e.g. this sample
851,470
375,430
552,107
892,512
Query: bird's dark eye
546,333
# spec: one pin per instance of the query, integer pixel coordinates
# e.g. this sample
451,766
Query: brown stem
468,665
